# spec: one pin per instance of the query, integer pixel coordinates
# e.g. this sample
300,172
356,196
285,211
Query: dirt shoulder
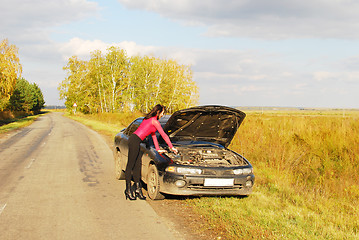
180,215
190,224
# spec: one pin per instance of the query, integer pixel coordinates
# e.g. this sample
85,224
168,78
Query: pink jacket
150,126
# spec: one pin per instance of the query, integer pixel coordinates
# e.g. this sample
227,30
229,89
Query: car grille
217,172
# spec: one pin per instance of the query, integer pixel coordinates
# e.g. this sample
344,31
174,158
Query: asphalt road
57,182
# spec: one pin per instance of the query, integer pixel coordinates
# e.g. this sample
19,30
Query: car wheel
120,174
153,184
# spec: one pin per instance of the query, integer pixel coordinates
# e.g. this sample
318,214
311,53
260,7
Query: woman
149,125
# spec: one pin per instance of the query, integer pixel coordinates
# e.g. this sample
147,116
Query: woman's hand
174,150
161,151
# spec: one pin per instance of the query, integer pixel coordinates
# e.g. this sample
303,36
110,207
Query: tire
120,174
153,184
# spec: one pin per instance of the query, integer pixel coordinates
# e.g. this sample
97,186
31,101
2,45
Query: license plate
218,182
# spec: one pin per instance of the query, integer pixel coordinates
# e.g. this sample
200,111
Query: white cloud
323,76
217,77
345,77
263,19
350,64
82,48
236,89
300,86
31,20
353,77
251,89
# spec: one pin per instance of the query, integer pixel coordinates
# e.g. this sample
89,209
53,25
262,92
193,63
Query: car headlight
184,170
244,171
238,171
247,171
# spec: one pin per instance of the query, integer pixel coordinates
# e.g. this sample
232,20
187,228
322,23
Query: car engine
207,156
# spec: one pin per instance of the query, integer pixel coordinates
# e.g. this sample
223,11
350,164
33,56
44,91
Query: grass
15,123
307,170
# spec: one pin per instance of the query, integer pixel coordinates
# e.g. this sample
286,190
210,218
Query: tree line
114,82
16,93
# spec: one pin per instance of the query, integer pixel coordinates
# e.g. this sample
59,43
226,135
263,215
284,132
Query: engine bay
206,156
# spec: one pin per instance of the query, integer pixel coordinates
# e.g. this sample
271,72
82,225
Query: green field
307,170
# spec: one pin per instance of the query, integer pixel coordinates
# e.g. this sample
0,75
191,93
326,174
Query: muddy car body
204,164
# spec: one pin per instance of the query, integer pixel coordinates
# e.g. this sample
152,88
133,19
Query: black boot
129,193
138,191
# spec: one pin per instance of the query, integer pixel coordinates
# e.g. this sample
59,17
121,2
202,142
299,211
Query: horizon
253,107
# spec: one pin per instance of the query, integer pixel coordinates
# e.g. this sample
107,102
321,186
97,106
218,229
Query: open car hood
216,124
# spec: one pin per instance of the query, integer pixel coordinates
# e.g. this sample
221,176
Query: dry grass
307,172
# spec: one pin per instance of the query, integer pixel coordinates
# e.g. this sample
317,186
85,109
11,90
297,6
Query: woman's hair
155,111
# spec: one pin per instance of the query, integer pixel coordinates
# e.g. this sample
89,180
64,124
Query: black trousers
133,167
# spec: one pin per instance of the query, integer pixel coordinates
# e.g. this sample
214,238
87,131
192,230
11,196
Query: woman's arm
157,125
154,138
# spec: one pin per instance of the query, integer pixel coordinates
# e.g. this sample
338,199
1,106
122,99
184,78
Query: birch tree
143,78
117,74
74,88
178,90
97,75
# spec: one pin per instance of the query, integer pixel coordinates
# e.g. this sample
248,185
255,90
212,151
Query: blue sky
295,53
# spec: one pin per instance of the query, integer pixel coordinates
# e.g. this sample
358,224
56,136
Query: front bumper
194,185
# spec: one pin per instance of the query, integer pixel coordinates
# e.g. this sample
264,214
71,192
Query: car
203,166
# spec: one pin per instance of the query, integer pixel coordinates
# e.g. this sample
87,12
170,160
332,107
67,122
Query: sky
282,53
